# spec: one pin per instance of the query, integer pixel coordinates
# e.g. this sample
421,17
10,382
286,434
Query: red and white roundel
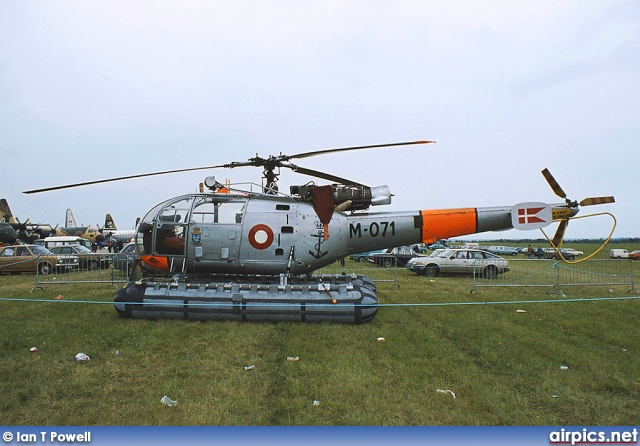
261,236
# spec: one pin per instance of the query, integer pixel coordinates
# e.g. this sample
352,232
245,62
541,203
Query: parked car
503,250
619,253
435,246
27,258
573,251
87,259
393,256
50,242
363,257
123,260
420,247
550,253
460,261
635,255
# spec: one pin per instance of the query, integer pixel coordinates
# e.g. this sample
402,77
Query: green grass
502,365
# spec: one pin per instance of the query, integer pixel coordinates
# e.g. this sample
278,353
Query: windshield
446,253
40,250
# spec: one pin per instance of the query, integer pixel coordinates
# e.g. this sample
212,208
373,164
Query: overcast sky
92,90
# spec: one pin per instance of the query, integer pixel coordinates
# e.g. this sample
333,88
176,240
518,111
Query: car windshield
82,249
437,253
446,253
40,250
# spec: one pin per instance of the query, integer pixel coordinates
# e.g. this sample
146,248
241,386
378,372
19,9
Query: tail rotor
571,204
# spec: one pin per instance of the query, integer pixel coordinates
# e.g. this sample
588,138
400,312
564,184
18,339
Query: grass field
502,361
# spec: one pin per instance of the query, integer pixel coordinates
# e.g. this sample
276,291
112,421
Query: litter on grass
447,391
168,401
81,357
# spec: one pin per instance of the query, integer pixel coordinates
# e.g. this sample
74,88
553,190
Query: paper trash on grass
168,401
81,357
447,391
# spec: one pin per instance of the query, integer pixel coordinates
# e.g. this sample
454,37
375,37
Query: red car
635,255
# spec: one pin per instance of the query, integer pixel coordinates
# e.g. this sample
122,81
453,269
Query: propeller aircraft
234,254
25,232
71,228
8,235
110,230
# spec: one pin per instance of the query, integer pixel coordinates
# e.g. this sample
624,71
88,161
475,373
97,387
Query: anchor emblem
320,237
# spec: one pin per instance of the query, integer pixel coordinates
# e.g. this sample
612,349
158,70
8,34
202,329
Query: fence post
632,276
395,273
556,280
37,284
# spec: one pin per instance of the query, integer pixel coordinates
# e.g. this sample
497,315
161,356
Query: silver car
460,261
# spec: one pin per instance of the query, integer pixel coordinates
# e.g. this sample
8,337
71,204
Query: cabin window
226,212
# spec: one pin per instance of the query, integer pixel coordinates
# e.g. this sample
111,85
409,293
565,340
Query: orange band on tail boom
446,223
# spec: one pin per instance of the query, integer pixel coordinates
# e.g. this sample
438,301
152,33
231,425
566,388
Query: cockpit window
170,227
176,212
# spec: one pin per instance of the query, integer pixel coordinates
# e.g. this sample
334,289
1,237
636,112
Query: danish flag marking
530,215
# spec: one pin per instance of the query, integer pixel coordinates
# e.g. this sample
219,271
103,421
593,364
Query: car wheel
491,272
387,262
361,259
44,268
431,271
93,265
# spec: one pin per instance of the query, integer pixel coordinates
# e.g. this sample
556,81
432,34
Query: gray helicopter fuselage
268,235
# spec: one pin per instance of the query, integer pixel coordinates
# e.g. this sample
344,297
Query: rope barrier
381,305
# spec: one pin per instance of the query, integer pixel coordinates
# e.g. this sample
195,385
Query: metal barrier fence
543,273
113,270
377,273
557,275
109,268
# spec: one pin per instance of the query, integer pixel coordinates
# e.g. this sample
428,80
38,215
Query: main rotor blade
324,176
554,184
344,149
108,180
597,200
562,227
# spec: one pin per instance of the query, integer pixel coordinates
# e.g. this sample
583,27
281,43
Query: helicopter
234,254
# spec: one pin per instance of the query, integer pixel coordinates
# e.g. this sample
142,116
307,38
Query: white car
460,261
575,252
